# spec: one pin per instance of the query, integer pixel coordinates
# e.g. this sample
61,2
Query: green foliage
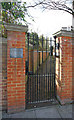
34,39
45,43
35,42
13,12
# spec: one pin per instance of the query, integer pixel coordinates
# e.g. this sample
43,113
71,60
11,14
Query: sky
49,21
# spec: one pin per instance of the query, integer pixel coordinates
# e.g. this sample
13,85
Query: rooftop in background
65,31
68,28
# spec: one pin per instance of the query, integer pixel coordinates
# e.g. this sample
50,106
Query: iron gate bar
44,85
50,69
46,55
33,66
46,66
54,69
37,67
35,88
42,51
30,89
28,70
48,86
39,87
33,54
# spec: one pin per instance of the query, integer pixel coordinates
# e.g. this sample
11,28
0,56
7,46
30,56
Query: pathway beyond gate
45,67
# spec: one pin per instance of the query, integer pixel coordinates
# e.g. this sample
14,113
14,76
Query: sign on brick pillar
15,67
64,66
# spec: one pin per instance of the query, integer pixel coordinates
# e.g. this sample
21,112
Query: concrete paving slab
67,107
73,111
25,114
5,115
50,112
0,115
65,111
55,111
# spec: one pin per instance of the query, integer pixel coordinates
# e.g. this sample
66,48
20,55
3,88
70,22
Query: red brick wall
15,73
73,68
64,70
26,54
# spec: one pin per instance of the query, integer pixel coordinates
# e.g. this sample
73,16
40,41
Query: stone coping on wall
15,27
64,33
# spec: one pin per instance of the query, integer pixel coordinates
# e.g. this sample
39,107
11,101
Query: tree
55,5
45,42
13,12
35,42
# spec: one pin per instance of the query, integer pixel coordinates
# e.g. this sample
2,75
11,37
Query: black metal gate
40,72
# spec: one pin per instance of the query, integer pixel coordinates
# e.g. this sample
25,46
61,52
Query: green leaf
13,4
12,12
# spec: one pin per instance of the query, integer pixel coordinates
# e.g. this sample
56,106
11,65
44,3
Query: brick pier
64,64
15,68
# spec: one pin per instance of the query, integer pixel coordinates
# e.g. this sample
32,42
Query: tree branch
51,4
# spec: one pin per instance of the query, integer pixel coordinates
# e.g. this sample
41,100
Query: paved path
47,64
55,111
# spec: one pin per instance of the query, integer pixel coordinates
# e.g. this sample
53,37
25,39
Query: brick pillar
64,69
73,64
15,68
0,62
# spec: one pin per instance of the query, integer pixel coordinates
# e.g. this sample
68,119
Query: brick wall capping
64,33
14,27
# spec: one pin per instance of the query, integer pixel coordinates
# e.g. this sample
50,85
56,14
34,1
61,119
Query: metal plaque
16,52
